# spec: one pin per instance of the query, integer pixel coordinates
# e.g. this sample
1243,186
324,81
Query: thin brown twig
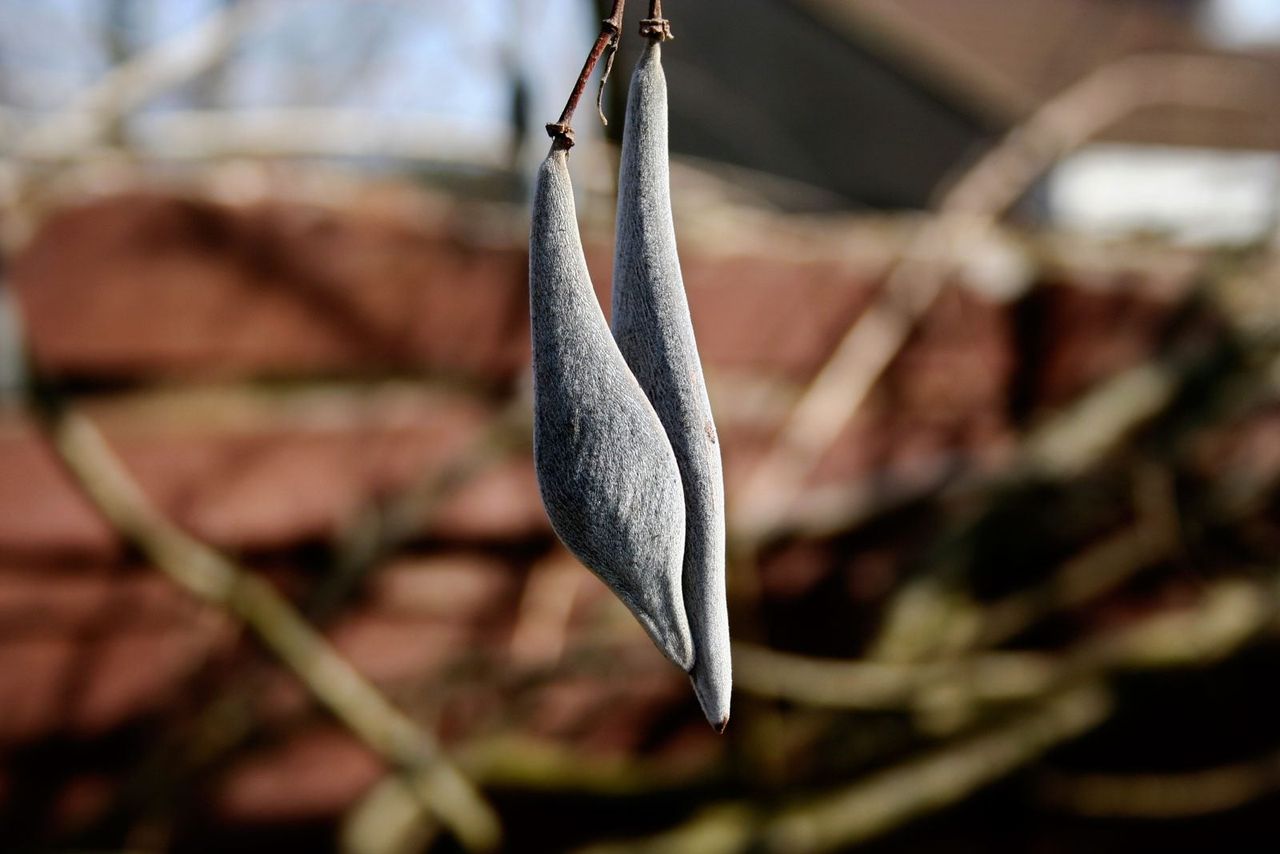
561,130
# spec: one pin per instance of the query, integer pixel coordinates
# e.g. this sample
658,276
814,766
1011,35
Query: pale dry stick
927,613
878,685
203,572
887,800
215,579
532,765
315,132
83,124
1101,568
378,530
541,630
1064,444
386,820
968,210
88,118
871,807
383,821
1228,615
1179,795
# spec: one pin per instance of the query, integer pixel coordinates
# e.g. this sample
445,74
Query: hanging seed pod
655,333
608,478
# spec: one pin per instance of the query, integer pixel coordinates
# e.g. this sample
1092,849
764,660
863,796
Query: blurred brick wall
267,371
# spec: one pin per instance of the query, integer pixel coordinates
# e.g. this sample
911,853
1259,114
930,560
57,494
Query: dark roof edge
934,62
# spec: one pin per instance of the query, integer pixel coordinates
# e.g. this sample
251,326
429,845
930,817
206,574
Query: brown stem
655,27
562,130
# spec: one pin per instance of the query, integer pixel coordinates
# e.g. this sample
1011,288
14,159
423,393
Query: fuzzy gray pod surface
606,471
654,331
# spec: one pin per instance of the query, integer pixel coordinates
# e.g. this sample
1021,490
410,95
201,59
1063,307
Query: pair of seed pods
625,448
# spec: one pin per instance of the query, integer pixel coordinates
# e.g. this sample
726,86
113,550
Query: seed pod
608,477
655,333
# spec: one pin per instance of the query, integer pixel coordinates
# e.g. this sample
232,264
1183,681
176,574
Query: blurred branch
318,132
378,530
967,212
1062,446
1101,568
93,116
515,762
883,801
928,611
95,111
1226,617
877,685
386,820
210,576
1161,796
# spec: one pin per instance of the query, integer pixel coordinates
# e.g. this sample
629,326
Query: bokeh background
988,297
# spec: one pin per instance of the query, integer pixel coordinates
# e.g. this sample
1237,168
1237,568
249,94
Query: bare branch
214,578
969,209
91,114
877,804
561,130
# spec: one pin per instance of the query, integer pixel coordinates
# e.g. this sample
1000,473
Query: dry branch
879,803
1228,615
212,577
1161,796
967,211
93,112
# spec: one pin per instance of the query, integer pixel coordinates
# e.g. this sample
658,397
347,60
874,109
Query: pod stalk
561,130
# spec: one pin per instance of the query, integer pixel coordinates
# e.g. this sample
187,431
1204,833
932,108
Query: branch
379,530
968,210
878,685
1162,796
842,818
561,130
212,577
303,132
1228,615
91,114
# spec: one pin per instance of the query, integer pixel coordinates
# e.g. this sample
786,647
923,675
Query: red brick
56,601
261,487
142,285
319,771
90,683
1094,330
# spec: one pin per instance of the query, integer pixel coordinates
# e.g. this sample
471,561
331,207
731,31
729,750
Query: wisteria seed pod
652,326
606,471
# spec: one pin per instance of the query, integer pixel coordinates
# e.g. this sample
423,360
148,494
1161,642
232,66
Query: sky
439,57
446,58
1244,22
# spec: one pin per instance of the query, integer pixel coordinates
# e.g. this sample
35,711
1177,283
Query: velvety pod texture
652,326
607,474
